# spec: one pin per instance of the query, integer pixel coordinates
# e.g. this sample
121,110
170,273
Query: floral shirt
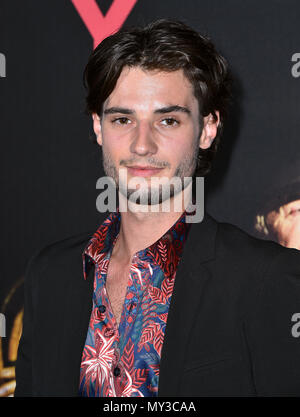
123,361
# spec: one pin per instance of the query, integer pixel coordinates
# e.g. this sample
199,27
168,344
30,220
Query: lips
142,167
143,171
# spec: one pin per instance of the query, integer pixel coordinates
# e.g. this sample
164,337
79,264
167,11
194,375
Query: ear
209,130
97,128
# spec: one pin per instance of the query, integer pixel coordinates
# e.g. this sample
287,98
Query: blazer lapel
190,280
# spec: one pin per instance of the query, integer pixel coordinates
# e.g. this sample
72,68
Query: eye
170,121
294,211
121,120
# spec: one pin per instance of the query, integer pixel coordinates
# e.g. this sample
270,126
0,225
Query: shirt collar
165,252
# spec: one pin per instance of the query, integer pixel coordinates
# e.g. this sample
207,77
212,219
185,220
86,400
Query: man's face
151,119
286,224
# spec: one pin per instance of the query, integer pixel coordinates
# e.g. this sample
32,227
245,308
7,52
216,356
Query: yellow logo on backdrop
9,342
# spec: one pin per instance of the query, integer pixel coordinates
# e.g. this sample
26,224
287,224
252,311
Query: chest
116,286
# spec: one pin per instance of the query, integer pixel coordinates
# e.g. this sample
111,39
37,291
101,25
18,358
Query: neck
140,228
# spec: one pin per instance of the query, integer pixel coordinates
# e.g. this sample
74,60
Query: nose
143,142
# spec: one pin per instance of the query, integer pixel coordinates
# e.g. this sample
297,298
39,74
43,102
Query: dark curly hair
166,45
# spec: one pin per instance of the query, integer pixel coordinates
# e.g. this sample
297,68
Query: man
163,306
279,216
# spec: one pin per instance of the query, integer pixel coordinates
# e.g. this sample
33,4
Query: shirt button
132,305
109,332
102,309
117,371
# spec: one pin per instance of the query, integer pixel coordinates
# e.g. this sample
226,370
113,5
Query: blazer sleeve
273,329
24,357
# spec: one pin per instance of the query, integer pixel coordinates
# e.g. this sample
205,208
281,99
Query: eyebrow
162,110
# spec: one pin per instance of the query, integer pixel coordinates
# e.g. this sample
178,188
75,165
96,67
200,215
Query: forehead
142,88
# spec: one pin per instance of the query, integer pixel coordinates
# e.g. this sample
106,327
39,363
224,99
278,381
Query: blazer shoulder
57,252
257,268
232,238
236,248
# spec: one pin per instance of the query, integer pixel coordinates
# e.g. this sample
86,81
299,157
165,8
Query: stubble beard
154,195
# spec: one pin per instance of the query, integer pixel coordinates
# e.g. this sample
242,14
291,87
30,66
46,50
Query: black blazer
229,330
